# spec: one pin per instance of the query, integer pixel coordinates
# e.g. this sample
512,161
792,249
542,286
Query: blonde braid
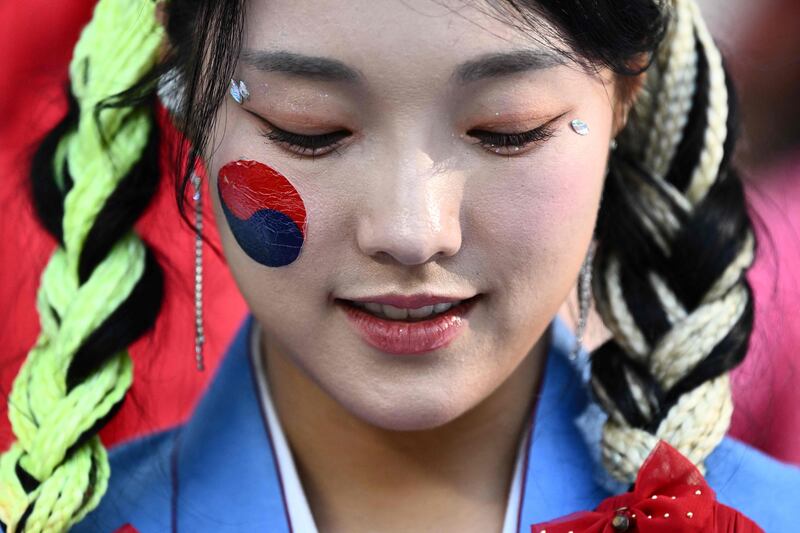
46,482
697,421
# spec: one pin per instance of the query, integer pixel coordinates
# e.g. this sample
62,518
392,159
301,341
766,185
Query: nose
411,212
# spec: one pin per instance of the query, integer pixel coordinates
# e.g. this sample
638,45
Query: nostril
408,238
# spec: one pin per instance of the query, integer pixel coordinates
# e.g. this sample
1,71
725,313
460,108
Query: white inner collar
300,517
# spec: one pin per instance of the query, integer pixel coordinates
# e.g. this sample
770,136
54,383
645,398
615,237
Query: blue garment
227,477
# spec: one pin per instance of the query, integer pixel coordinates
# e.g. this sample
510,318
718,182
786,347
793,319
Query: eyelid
515,142
298,144
308,123
305,145
510,125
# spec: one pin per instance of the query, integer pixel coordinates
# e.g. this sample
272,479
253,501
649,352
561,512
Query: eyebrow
496,65
493,65
314,67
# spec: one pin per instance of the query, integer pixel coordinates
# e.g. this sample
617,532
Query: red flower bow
670,495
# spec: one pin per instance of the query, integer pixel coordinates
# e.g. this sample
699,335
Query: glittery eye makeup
265,212
310,145
515,143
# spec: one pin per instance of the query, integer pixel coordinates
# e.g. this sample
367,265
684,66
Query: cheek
538,220
265,212
559,201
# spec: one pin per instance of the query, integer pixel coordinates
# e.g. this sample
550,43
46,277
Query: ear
628,89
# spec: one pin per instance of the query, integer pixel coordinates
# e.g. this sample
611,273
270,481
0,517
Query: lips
407,337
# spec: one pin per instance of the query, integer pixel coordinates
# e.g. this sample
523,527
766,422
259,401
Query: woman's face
410,199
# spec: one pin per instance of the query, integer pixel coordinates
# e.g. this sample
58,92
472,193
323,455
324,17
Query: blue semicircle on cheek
268,236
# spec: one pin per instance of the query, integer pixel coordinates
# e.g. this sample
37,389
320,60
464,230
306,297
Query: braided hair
91,178
669,274
99,178
673,236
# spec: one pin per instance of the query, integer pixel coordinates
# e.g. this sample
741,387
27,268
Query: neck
359,477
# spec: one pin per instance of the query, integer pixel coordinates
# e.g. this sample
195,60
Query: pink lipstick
409,337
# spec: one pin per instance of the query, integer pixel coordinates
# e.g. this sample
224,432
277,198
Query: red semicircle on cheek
249,186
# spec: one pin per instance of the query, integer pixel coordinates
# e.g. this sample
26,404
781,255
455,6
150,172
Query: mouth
408,331
409,315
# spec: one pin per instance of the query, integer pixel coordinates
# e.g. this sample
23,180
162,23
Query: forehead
389,37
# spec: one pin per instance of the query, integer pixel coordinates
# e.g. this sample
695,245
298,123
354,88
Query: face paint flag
265,212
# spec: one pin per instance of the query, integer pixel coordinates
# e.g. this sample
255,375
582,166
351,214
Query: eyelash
304,145
515,142
312,145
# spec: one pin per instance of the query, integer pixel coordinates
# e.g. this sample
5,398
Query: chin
407,414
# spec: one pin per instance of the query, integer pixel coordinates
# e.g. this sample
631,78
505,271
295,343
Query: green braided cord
118,47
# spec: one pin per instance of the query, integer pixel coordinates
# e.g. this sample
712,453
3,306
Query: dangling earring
199,337
584,300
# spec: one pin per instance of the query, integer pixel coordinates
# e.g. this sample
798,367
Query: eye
514,143
303,145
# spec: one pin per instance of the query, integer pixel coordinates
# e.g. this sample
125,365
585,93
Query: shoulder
761,487
140,489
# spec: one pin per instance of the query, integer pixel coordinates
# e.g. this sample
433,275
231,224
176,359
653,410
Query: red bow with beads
670,495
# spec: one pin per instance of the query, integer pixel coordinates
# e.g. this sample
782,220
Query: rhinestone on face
235,92
243,91
690,514
580,127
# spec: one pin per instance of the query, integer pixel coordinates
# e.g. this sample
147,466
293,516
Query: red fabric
670,495
127,528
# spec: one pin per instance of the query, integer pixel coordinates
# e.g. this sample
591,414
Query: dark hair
661,246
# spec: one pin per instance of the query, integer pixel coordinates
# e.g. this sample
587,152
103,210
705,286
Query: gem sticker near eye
580,127
265,212
239,91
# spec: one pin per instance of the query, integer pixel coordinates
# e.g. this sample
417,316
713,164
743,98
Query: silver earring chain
584,300
199,337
